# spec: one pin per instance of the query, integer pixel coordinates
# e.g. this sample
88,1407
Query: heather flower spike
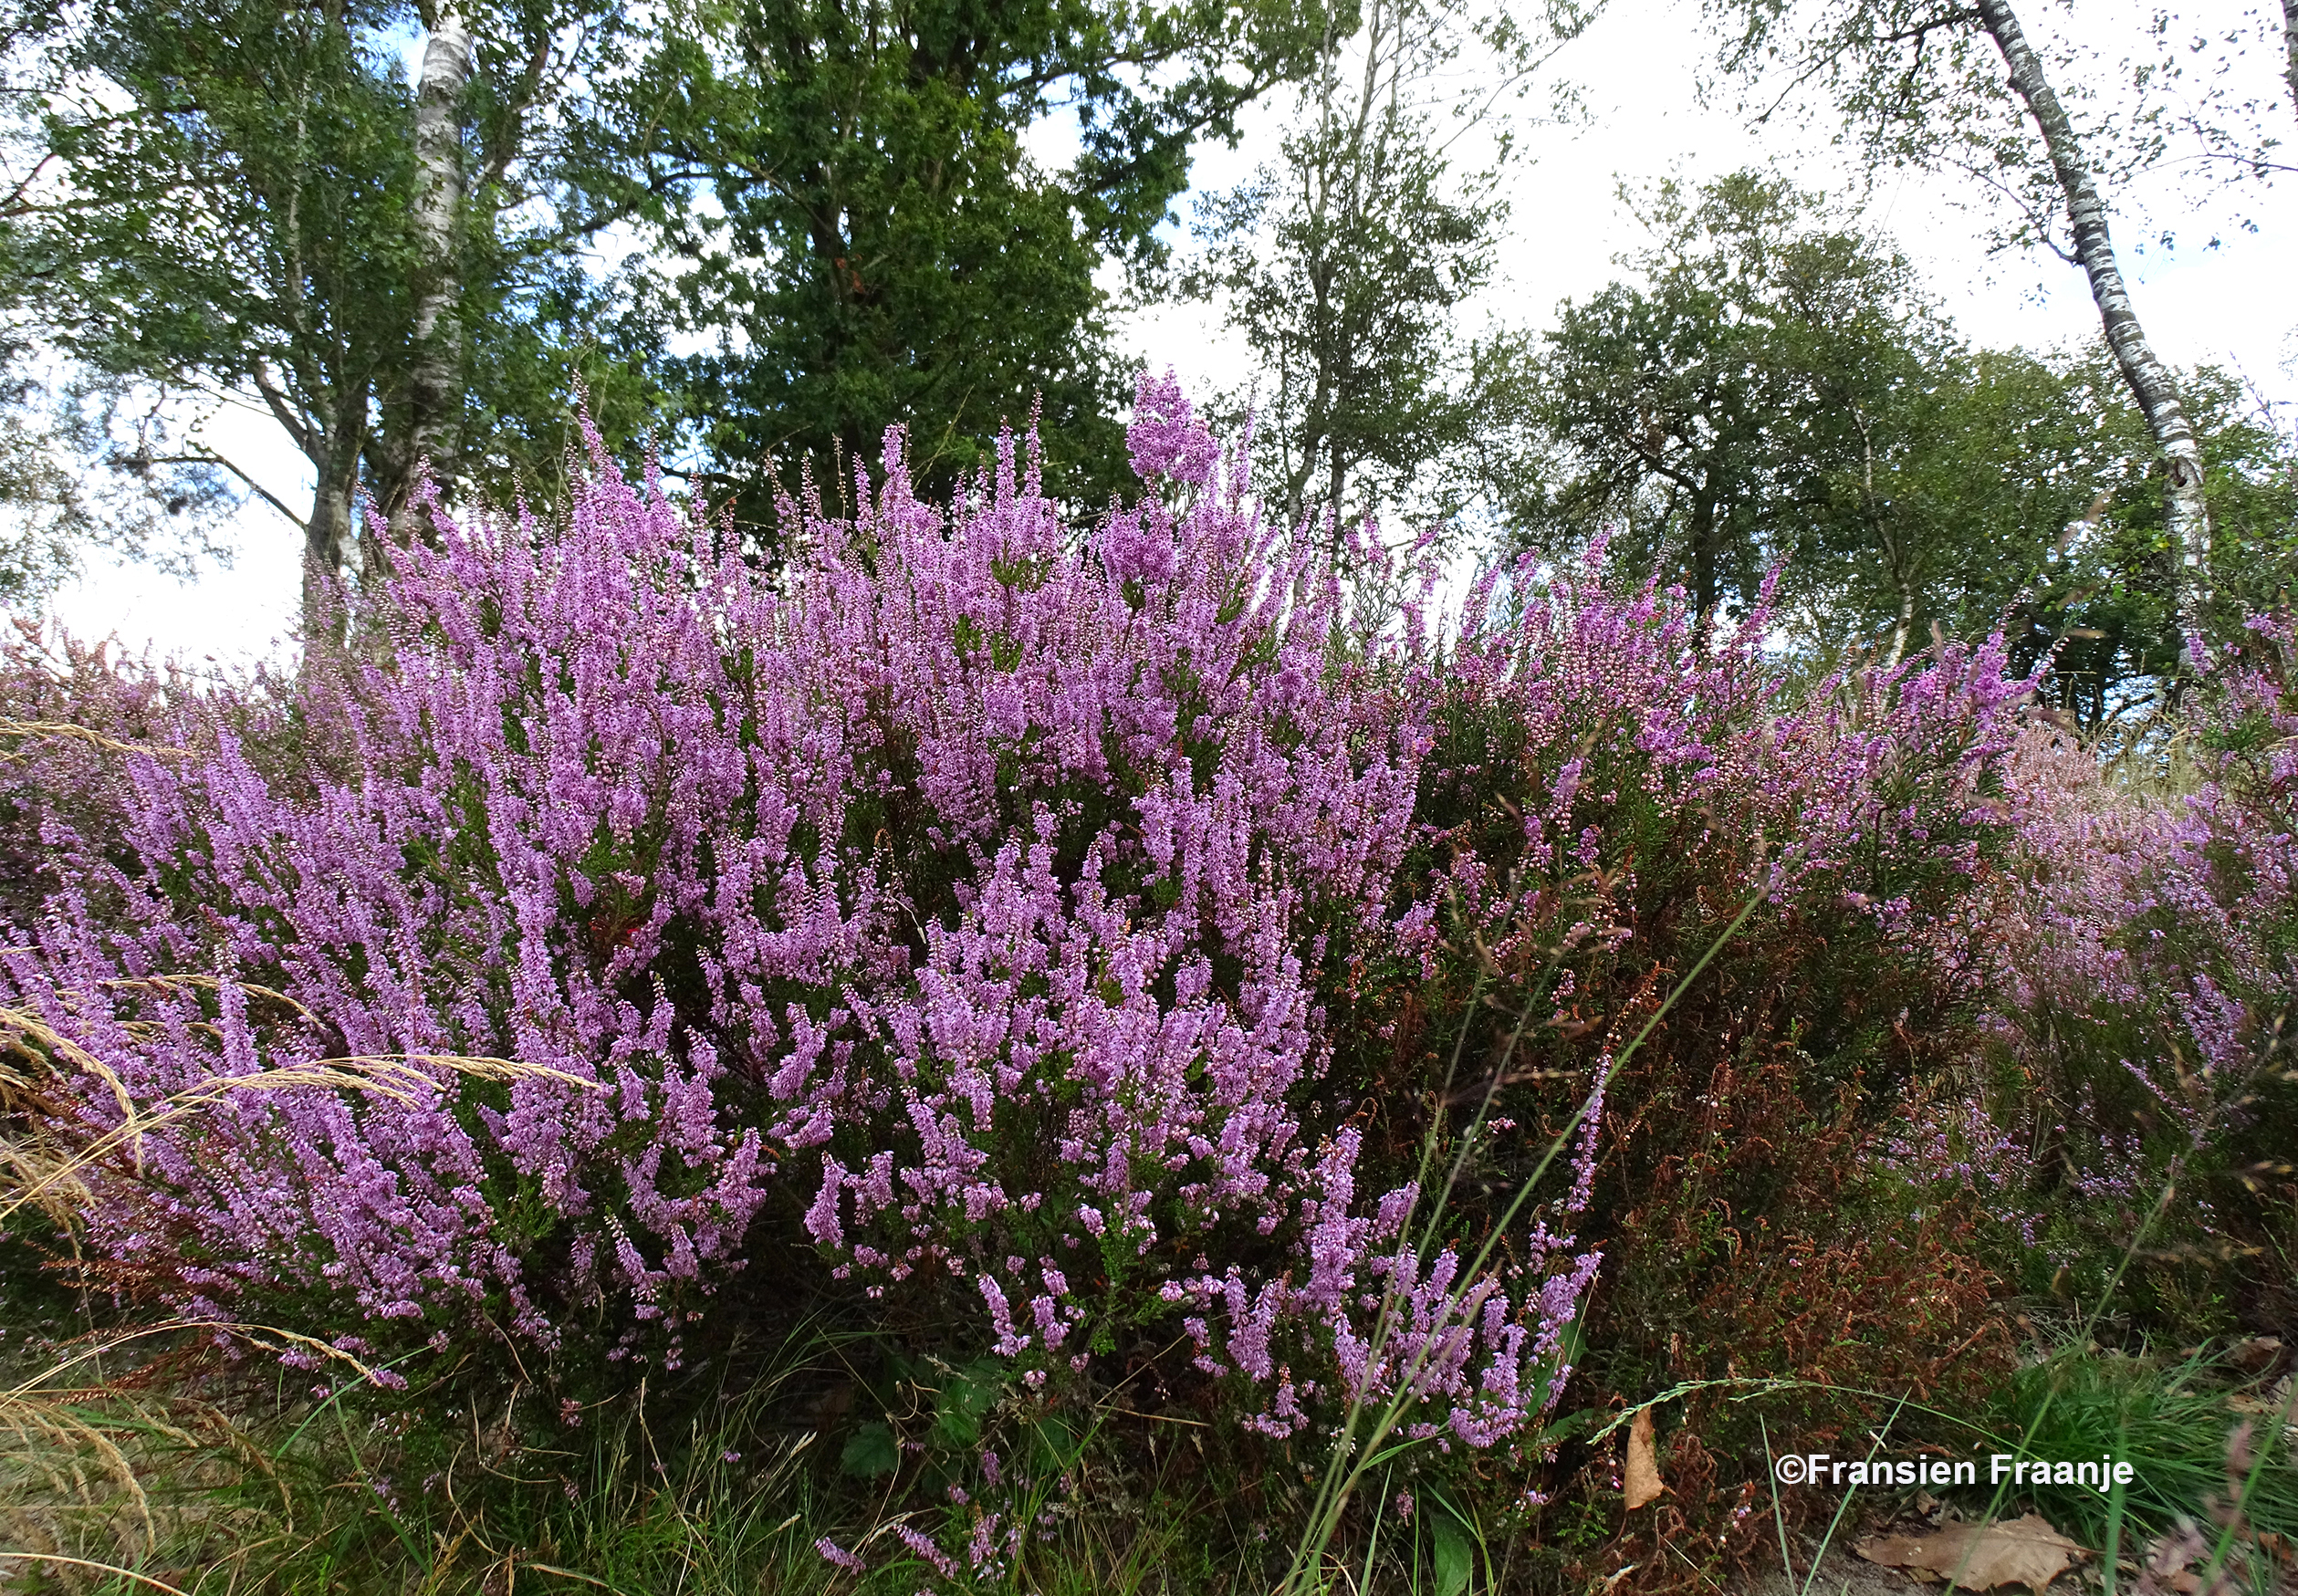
962,897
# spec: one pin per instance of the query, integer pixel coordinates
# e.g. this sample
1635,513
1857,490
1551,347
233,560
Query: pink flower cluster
2159,915
1861,795
958,895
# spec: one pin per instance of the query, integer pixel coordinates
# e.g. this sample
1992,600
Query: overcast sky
2230,304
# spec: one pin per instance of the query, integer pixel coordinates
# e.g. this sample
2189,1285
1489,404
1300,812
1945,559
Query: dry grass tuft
65,731
43,1164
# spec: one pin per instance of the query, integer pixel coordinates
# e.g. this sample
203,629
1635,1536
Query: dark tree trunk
1705,580
331,540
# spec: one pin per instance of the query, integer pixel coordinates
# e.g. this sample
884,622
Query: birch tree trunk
2150,380
435,386
2289,45
1902,625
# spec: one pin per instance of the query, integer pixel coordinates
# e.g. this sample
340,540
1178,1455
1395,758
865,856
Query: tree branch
203,455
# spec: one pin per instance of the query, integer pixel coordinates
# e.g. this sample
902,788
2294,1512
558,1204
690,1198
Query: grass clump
2203,1438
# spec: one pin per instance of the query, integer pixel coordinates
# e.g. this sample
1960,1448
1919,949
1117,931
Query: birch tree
1962,86
246,203
429,432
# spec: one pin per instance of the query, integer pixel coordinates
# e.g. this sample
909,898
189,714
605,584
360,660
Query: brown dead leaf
2167,1573
2256,1355
1978,1557
1643,1478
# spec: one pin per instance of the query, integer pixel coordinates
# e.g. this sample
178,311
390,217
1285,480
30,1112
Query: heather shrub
1061,959
2150,975
1771,1187
942,914
67,712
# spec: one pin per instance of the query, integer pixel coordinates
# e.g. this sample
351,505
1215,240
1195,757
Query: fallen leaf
2256,1355
1978,1557
1642,1483
2167,1573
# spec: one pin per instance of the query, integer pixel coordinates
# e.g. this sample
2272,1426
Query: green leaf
871,1453
967,1395
1565,1428
1057,1443
1453,1553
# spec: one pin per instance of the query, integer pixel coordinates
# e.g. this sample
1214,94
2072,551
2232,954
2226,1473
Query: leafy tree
1690,410
881,247
1992,487
246,201
80,456
1777,391
83,465
1345,266
2105,593
1938,83
2222,89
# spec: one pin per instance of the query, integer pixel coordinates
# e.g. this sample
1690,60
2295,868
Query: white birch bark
2150,381
2289,45
434,387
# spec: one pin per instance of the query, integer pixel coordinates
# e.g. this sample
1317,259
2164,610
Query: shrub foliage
1085,956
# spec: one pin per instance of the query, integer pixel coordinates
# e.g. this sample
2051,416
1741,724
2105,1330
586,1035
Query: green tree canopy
1346,266
1777,391
1683,409
878,244
232,200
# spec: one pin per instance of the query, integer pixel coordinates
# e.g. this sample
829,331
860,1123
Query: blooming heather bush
1603,800
2151,968
2175,904
1066,933
67,712
951,896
